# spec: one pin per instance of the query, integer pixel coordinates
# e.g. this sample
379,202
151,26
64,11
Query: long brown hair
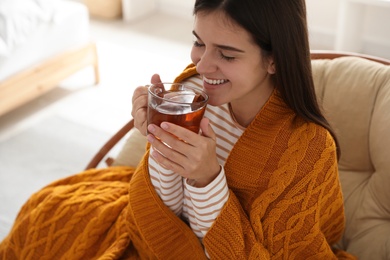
279,27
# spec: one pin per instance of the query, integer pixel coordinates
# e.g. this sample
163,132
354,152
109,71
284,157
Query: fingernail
151,128
164,126
150,138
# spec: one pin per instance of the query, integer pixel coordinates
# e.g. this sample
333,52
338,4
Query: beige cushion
132,151
355,95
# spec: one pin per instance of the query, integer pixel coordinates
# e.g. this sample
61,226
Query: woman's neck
244,113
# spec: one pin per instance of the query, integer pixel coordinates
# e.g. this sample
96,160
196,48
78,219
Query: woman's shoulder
188,72
317,138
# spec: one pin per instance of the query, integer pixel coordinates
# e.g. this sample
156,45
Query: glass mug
177,103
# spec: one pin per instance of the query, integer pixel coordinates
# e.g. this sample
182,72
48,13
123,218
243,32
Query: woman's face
229,61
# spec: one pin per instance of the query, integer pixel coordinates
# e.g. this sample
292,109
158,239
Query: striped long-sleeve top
199,206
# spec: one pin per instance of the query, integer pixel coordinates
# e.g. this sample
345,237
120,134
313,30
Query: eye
224,57
198,44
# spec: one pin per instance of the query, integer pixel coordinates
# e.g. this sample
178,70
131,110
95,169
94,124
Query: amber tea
176,103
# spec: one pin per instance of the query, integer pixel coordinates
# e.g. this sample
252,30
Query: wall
181,8
323,21
324,18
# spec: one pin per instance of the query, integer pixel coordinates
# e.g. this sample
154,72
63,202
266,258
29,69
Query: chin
215,102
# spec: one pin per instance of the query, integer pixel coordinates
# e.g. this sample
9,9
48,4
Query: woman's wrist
203,182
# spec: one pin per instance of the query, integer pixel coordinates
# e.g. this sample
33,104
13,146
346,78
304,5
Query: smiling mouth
215,81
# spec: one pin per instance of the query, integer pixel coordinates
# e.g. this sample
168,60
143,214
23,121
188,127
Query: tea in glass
176,103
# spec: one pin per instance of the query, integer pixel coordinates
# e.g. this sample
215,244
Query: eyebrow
223,47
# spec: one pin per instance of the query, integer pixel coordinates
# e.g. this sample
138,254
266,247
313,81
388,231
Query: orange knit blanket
285,202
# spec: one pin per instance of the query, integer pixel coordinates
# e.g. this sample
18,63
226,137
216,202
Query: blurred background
62,123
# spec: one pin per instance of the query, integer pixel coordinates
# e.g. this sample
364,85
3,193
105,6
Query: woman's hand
192,156
140,105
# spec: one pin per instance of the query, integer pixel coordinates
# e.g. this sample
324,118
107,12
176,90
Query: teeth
214,81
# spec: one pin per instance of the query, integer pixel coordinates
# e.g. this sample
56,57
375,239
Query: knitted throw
285,203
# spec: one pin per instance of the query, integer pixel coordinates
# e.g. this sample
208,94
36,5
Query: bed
42,42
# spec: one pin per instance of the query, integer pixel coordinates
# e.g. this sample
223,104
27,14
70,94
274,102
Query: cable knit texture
285,203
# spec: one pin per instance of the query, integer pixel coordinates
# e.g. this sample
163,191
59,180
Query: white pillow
3,48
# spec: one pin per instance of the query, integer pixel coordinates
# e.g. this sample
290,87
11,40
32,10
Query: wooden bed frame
33,82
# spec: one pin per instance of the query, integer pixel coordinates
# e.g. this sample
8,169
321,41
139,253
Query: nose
205,64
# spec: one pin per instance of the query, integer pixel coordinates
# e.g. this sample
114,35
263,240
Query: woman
259,182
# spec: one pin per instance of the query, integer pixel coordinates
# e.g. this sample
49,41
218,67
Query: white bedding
38,29
19,19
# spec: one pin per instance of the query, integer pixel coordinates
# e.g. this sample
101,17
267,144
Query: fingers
180,133
139,91
141,126
155,79
168,138
184,152
140,105
166,156
206,128
139,108
166,148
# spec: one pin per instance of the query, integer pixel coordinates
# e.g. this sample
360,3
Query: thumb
206,128
155,79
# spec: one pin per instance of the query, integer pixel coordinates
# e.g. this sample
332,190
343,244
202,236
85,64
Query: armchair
354,92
